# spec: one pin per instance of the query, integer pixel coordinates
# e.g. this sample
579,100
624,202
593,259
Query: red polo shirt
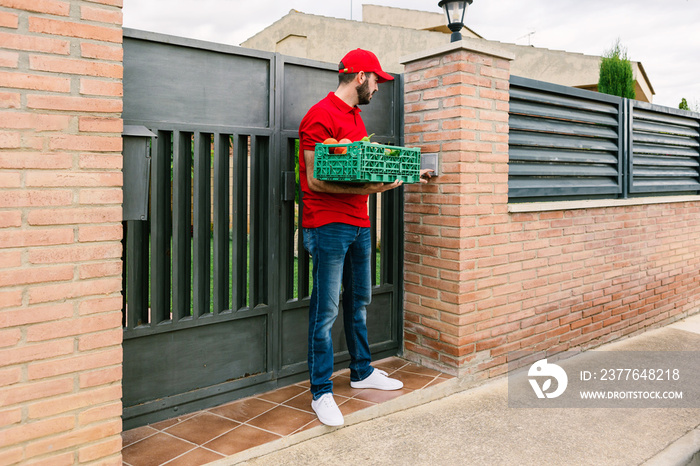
330,118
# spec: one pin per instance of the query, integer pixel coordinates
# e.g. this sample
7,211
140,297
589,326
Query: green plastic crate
366,162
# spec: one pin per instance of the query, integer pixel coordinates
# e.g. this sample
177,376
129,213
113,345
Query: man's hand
425,175
373,188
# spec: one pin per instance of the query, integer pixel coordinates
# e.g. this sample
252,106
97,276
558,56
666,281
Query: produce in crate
392,152
338,150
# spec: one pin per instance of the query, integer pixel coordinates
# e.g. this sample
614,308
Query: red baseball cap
363,60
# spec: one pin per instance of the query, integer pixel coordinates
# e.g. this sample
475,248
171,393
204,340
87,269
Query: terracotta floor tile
438,380
282,420
389,364
352,405
306,384
243,410
201,428
412,381
302,401
134,435
309,426
341,386
196,457
282,394
380,396
338,399
162,425
344,372
155,450
416,369
241,438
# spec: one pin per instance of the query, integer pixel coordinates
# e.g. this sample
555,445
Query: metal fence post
625,152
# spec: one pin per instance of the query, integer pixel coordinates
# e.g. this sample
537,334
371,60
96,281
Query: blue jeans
341,254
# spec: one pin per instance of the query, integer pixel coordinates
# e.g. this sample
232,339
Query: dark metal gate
216,282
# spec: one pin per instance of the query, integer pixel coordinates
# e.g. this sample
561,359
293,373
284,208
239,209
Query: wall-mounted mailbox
430,161
137,171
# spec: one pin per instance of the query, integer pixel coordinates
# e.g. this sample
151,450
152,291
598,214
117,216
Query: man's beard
363,93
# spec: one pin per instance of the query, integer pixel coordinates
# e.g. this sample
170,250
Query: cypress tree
616,76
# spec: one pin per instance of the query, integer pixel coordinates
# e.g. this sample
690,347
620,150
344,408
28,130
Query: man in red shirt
336,233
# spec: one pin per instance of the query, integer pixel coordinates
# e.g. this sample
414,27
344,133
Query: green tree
692,106
616,76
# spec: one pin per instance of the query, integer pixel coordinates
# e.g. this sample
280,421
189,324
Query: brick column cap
470,44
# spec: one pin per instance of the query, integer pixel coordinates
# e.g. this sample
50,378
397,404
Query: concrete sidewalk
476,427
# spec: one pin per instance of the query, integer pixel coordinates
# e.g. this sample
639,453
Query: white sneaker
327,411
378,379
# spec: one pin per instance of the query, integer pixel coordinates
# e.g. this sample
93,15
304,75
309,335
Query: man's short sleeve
315,127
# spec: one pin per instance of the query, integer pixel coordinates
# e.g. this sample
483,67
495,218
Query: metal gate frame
192,338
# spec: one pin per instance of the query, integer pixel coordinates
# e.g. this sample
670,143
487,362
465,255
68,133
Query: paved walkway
476,427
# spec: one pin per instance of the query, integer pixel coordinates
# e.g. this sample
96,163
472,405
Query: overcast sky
663,35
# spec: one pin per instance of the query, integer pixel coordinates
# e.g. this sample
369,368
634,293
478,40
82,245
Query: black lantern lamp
455,11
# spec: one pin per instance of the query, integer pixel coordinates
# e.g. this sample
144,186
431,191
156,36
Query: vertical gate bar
125,265
373,235
265,207
136,273
160,237
167,311
397,220
387,236
253,224
221,212
286,257
287,227
182,221
397,217
202,223
239,260
303,258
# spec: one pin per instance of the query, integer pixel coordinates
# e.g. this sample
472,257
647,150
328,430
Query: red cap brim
383,77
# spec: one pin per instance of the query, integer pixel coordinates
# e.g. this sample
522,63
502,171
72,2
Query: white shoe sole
329,422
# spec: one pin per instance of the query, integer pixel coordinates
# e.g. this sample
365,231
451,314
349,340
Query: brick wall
481,281
60,231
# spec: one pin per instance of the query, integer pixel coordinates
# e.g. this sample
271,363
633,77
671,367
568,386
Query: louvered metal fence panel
564,143
664,150
567,143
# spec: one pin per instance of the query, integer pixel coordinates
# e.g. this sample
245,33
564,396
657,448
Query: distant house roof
393,33
411,19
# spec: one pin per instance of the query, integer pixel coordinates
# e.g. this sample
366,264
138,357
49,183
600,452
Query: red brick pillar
60,231
456,105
